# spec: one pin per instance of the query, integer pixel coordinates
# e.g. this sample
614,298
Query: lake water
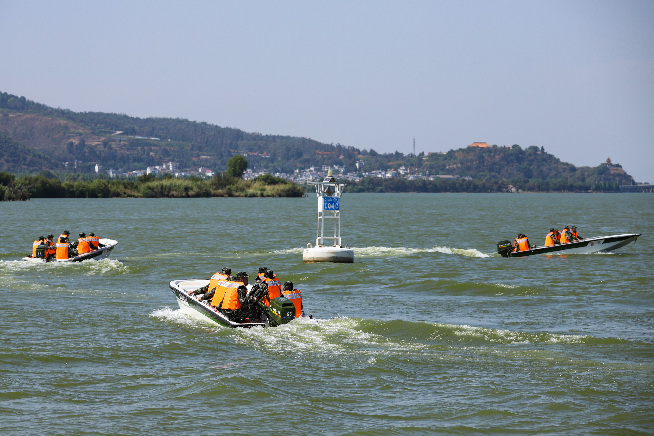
428,331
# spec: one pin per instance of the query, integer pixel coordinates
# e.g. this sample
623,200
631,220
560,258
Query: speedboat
253,311
102,252
583,246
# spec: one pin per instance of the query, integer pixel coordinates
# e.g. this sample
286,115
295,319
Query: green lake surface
429,331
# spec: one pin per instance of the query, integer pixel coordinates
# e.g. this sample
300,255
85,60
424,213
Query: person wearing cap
94,241
274,286
551,239
50,248
575,234
230,300
521,243
565,236
64,235
295,295
83,245
62,248
209,290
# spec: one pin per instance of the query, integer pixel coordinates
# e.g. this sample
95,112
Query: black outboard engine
504,248
40,251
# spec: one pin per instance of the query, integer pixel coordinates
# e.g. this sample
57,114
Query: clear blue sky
576,77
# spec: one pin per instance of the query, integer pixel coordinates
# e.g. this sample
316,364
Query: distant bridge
637,188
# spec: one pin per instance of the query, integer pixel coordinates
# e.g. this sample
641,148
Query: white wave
406,251
337,336
288,251
94,266
176,316
512,337
502,285
103,266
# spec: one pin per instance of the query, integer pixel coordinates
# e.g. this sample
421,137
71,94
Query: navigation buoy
328,246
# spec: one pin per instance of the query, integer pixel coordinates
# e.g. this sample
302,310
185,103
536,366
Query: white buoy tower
329,246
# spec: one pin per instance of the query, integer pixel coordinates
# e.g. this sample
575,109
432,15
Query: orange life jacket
94,241
34,245
217,277
575,234
226,295
231,301
274,289
565,237
83,246
296,298
62,250
50,248
522,244
550,239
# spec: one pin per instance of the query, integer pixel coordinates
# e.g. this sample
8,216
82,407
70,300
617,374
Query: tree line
380,185
227,184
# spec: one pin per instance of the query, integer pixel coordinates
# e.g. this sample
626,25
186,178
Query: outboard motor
504,248
40,251
282,310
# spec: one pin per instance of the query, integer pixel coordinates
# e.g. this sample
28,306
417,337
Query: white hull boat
253,314
597,244
100,253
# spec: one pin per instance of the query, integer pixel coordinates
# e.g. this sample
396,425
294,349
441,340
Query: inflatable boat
584,246
100,253
253,311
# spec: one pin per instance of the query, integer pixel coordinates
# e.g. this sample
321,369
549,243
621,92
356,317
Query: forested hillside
43,137
130,143
532,168
15,157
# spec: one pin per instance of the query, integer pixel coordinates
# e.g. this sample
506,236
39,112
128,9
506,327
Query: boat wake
178,317
91,267
373,339
406,251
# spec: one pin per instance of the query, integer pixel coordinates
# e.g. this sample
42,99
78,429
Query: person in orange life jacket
64,235
551,239
557,235
50,249
565,236
274,286
261,273
295,296
575,234
38,247
83,245
521,243
231,300
62,248
94,241
226,293
209,289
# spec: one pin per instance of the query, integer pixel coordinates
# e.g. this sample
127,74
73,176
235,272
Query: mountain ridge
77,141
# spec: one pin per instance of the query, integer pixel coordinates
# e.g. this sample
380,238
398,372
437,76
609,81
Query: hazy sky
576,77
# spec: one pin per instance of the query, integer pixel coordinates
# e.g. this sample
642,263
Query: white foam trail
512,337
406,251
96,266
176,316
336,336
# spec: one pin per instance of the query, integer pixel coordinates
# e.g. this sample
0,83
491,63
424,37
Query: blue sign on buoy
331,203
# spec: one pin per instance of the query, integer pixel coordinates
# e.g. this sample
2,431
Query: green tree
236,166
